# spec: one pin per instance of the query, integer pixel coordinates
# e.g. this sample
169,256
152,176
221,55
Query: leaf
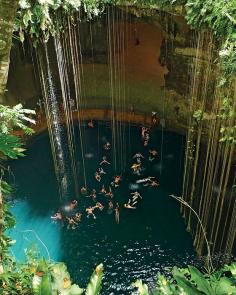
95,284
225,286
142,288
202,284
182,282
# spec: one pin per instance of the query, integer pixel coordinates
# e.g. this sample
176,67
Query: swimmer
97,176
117,213
135,196
154,118
78,217
103,190
71,223
104,161
101,171
89,211
57,216
135,167
99,206
83,190
116,181
145,179
128,206
110,193
90,124
143,132
153,183
153,155
138,155
145,143
110,205
73,204
107,146
93,194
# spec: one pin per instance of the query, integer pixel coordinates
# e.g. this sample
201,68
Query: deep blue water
148,240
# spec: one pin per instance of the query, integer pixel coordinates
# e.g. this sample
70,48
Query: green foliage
198,115
95,284
190,281
220,17
43,18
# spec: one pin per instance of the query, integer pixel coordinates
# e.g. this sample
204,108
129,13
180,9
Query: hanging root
38,238
209,265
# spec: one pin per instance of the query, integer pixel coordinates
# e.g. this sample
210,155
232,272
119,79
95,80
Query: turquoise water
150,239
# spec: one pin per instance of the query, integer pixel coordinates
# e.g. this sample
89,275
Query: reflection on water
147,240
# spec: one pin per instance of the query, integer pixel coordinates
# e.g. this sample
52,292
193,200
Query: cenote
147,240
117,147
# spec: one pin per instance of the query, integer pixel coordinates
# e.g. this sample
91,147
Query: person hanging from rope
117,213
90,124
103,190
71,223
109,193
104,161
89,211
136,196
97,176
99,206
152,155
107,146
129,206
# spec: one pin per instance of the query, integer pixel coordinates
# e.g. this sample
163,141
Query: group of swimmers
72,217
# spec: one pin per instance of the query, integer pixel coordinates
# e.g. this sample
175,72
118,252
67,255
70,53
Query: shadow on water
147,240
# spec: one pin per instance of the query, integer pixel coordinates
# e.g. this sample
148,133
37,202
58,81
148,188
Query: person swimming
135,167
99,206
73,204
109,193
145,179
153,154
138,155
93,194
57,216
97,176
90,124
78,217
153,183
104,161
83,190
107,146
110,205
89,211
117,213
116,181
101,171
135,196
71,223
129,206
103,190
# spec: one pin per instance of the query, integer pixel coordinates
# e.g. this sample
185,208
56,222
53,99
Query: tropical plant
190,281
